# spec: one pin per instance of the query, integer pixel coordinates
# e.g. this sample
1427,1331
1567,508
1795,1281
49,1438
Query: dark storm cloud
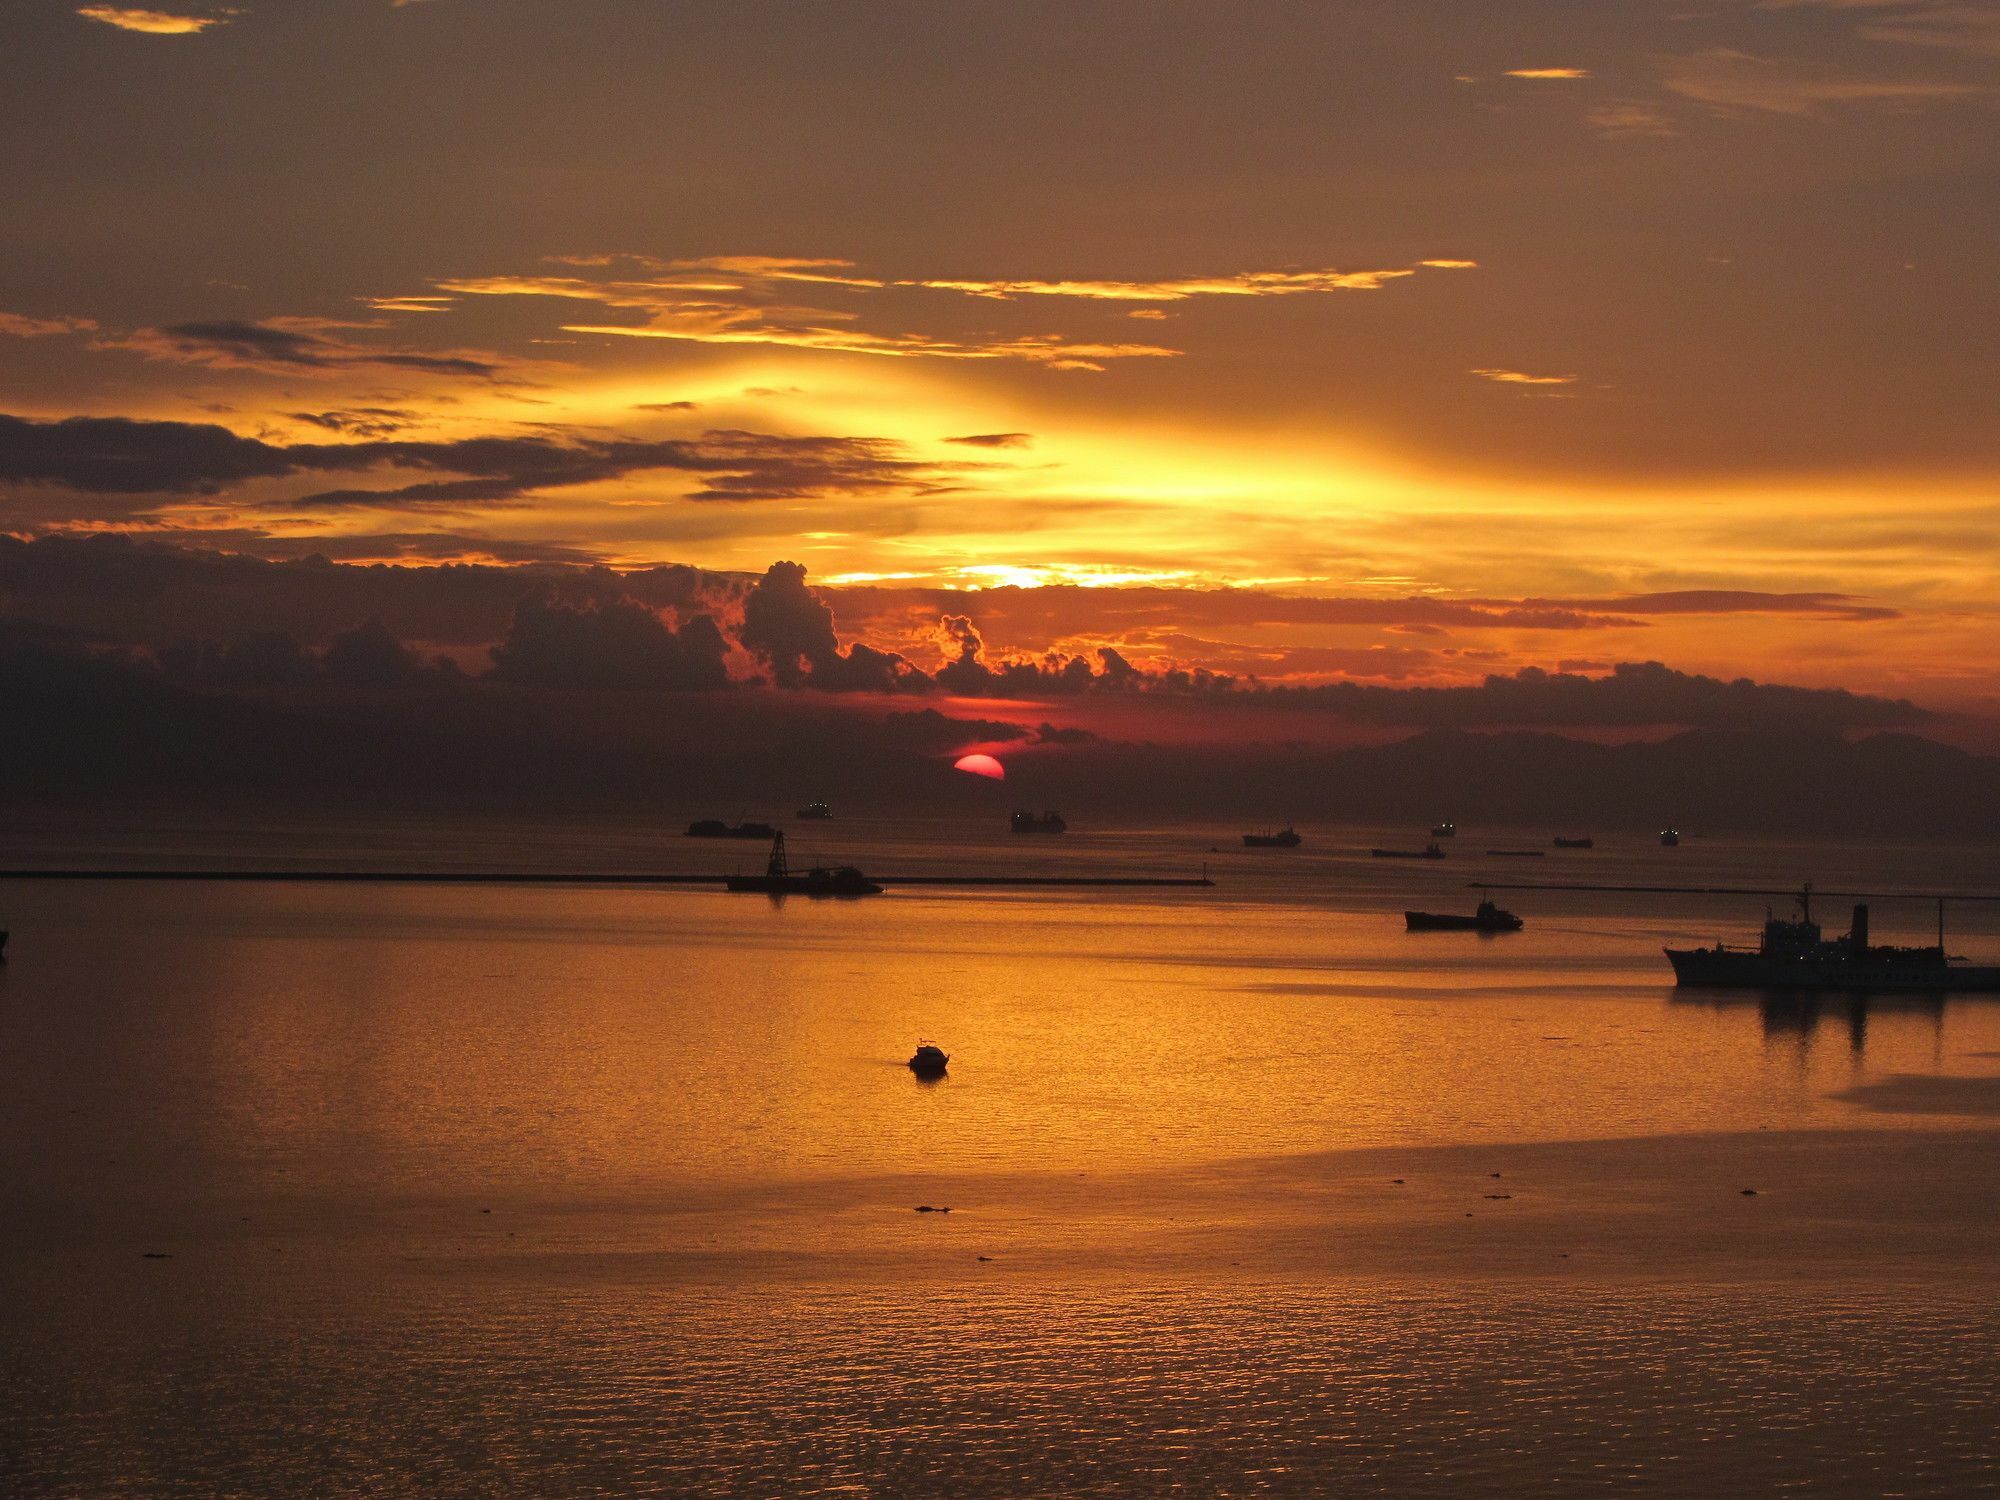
619,645
789,628
359,421
120,456
289,345
123,456
759,466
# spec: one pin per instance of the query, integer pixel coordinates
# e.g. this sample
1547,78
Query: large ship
1048,822
1488,918
1285,838
1794,955
715,828
1429,851
779,879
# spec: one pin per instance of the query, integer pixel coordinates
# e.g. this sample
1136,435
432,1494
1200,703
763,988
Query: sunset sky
1401,342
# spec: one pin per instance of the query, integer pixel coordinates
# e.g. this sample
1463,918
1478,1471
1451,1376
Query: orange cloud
1239,284
1045,349
151,22
1518,377
14,325
745,299
1548,74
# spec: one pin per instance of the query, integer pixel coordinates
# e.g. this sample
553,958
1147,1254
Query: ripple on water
1049,1388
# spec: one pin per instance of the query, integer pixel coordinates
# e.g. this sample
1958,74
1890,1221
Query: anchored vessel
1048,822
1445,831
1669,838
779,879
1795,956
1489,918
1429,851
1563,843
715,828
1285,838
816,811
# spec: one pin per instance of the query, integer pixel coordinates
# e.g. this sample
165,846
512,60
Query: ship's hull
1431,921
800,885
1269,841
1727,969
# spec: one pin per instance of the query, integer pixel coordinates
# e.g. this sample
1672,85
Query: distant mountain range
95,732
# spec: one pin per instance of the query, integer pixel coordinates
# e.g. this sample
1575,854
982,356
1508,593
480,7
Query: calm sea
541,1189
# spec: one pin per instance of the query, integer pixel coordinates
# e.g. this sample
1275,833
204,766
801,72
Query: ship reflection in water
1798,1015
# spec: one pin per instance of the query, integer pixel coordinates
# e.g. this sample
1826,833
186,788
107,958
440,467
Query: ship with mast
1796,955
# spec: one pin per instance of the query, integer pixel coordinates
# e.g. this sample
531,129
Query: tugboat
1795,956
1488,918
1445,831
930,1060
1670,838
1429,851
1285,838
1563,843
1048,822
821,880
715,828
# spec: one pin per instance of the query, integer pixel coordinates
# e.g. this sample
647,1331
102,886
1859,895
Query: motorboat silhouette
929,1061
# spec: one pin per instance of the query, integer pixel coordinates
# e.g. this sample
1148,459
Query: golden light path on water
613,1187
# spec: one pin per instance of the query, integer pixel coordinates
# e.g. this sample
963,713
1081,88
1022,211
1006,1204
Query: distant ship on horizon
1429,851
1796,956
1583,843
1047,822
1285,838
715,828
